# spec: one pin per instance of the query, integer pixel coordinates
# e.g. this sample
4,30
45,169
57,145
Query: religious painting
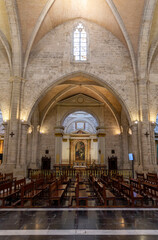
80,151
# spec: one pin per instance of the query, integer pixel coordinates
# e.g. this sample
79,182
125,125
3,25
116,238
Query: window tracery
80,43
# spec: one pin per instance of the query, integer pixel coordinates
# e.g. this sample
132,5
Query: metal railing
97,172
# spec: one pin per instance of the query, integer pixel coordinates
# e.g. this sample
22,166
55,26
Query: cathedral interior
78,119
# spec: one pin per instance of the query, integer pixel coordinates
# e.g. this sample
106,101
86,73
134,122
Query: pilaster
59,131
101,145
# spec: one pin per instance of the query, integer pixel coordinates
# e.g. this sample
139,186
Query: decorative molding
145,37
15,31
35,31
58,134
125,33
7,49
101,135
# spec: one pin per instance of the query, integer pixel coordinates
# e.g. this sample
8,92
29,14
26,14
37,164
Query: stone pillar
144,125
94,150
14,126
125,147
35,138
5,146
135,146
152,141
23,152
58,144
101,145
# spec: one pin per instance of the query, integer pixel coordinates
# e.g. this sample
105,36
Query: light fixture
136,122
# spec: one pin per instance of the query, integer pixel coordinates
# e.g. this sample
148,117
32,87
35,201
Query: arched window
80,43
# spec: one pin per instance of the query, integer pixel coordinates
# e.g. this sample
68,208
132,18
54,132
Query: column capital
134,124
59,131
101,131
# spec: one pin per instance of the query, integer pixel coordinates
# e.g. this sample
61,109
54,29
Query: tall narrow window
80,43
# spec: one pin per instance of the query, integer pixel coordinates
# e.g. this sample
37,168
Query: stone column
23,152
125,147
5,145
59,130
152,141
144,125
101,145
35,138
135,145
14,124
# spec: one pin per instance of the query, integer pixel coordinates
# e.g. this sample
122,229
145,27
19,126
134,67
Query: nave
104,191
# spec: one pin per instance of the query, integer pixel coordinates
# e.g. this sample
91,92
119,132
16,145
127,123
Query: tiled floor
89,224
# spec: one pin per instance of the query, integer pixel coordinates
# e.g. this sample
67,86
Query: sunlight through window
80,43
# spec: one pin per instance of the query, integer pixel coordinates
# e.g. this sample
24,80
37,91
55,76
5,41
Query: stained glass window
80,43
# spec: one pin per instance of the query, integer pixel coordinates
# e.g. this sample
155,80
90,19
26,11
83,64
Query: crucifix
146,134
12,134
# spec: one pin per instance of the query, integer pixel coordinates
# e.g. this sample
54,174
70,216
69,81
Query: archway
80,131
79,92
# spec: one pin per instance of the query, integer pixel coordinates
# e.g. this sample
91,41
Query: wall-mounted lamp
136,122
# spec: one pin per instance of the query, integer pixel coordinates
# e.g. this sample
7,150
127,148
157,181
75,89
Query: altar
77,165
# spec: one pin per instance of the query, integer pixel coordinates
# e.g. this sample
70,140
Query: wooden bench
104,194
50,179
7,191
61,186
9,176
115,184
19,183
29,193
140,176
136,184
131,196
40,184
81,195
152,178
151,191
105,179
55,194
17,187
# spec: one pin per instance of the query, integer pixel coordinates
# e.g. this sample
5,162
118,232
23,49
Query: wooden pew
104,194
55,194
81,195
19,183
61,186
50,179
29,193
131,196
17,187
6,191
40,184
115,184
9,176
151,191
105,179
140,176
136,184
152,178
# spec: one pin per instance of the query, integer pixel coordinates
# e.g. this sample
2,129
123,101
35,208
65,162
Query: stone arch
92,77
